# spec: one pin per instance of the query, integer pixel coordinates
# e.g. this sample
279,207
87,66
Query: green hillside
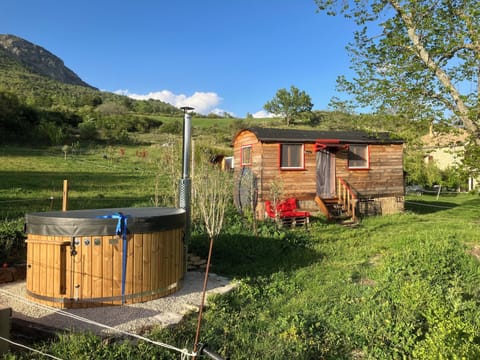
33,75
36,107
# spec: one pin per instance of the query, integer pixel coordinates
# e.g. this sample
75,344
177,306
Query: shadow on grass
247,255
473,202
419,206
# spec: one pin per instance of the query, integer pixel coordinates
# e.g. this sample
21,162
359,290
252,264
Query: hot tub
86,258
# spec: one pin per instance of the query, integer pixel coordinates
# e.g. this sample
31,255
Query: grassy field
400,286
397,287
99,177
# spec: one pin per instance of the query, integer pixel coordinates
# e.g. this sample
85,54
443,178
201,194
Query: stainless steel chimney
185,185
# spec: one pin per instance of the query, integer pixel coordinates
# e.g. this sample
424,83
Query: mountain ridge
40,79
38,60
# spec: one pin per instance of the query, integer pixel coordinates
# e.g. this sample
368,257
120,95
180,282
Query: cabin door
325,174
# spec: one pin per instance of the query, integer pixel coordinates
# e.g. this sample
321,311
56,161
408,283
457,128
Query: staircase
342,208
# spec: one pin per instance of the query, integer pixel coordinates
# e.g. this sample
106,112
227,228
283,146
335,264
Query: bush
425,303
11,239
173,127
88,130
50,133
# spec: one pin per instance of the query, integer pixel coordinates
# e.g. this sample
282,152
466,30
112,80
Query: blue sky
214,55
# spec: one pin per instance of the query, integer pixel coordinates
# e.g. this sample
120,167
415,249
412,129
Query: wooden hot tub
86,258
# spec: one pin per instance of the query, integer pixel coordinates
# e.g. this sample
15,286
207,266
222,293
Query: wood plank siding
384,176
294,183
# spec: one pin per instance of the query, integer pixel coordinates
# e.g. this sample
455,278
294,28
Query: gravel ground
130,318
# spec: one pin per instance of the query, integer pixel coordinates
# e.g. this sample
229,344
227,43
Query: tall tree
416,57
289,104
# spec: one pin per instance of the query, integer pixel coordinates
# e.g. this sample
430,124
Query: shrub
424,303
88,130
172,127
11,239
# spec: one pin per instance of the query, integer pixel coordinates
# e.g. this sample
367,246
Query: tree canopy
420,58
289,104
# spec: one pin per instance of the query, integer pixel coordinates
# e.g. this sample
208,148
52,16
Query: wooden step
323,207
349,223
334,211
330,201
343,217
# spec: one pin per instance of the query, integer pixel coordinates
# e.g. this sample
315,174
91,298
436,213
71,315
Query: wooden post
354,215
439,190
65,195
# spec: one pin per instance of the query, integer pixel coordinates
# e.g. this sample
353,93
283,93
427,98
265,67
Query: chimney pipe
185,185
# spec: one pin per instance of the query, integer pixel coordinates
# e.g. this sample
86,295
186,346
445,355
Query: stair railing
347,198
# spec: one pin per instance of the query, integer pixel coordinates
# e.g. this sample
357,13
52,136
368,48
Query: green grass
32,180
402,286
399,286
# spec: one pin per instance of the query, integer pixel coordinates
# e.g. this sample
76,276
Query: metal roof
312,136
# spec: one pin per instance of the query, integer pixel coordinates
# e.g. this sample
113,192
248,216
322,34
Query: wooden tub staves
86,258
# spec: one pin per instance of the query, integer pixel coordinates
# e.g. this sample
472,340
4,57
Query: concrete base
381,206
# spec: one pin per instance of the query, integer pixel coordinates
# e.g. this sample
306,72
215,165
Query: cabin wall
243,139
300,184
246,138
381,187
385,175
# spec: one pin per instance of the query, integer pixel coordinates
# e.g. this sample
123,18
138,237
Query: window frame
242,155
366,154
301,157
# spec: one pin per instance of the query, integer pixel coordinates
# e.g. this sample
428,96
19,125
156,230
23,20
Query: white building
446,151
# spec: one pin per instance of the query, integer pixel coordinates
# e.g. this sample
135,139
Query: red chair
287,212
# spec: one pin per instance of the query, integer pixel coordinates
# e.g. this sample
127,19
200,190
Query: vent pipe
185,185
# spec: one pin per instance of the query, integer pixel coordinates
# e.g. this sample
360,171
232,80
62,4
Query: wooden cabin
360,172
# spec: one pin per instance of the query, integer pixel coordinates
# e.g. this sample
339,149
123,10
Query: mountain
40,79
38,60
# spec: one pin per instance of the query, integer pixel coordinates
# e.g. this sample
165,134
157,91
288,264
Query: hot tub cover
100,221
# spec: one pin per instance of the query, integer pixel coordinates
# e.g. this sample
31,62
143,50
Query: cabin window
247,155
358,157
291,156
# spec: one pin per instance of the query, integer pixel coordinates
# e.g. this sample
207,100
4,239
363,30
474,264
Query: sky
214,55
